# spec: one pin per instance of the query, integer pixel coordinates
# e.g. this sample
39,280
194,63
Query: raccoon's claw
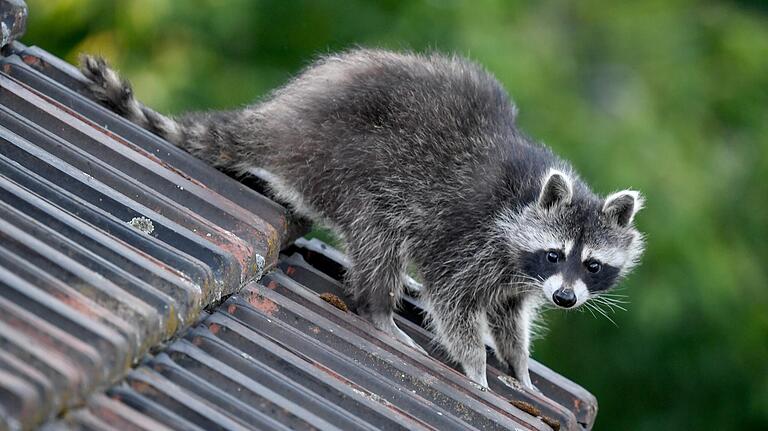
405,339
386,324
525,381
519,383
107,88
477,377
106,85
480,387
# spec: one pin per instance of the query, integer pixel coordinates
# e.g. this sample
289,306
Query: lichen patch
142,224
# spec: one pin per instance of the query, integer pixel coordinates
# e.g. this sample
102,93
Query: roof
142,289
111,240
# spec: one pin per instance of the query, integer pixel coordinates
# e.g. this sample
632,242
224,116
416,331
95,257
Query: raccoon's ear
622,206
556,189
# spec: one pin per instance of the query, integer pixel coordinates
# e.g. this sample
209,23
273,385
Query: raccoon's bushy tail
214,137
210,136
117,94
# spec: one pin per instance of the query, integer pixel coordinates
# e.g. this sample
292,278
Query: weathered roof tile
111,241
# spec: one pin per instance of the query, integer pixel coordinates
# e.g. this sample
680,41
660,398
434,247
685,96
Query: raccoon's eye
553,256
593,266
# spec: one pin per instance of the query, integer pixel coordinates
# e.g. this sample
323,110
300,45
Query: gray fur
417,159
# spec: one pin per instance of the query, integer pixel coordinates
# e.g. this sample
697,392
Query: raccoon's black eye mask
542,264
602,280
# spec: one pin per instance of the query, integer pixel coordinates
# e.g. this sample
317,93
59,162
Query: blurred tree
669,97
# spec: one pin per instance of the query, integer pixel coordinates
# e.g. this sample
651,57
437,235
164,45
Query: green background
669,97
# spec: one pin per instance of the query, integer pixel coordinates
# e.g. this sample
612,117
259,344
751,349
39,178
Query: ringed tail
210,136
117,94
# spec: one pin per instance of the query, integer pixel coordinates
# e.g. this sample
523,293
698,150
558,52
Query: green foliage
668,97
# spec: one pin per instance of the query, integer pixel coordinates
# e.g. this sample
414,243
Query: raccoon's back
406,130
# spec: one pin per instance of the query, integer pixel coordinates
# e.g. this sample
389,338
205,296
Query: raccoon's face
570,250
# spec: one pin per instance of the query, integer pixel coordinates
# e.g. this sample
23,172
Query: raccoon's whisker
524,291
617,290
610,303
589,308
597,301
617,300
527,284
619,306
545,312
613,294
530,290
523,278
614,297
613,300
602,301
601,311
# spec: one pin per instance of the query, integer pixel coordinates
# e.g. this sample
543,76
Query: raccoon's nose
564,297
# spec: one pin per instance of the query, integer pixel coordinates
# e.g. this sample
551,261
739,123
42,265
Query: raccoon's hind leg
376,283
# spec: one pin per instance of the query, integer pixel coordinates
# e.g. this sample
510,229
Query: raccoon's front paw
476,373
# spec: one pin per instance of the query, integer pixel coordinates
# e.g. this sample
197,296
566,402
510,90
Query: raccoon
416,159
